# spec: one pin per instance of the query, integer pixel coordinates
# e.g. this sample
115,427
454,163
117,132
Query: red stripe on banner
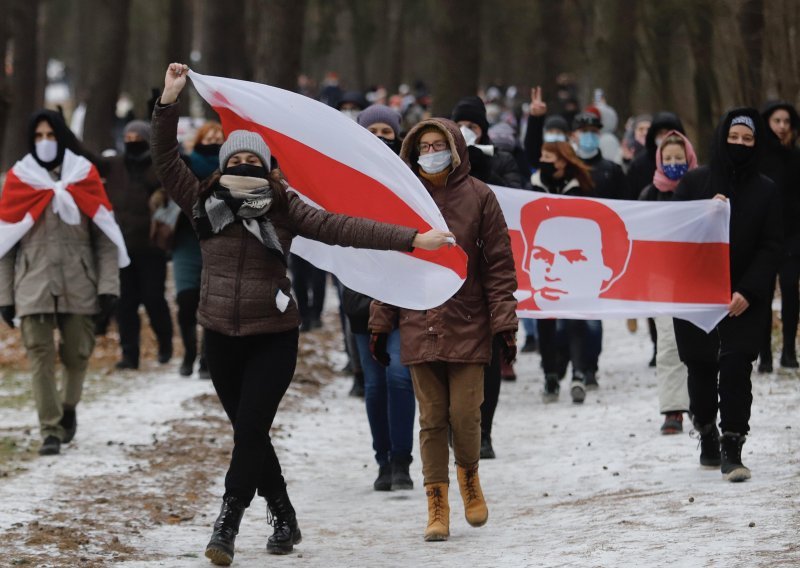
661,271
344,189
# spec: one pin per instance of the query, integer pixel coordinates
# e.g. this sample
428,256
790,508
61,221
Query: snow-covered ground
590,485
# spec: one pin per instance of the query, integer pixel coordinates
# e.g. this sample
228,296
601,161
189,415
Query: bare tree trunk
225,46
178,46
363,38
456,49
110,30
751,28
621,68
396,47
279,47
23,92
659,24
5,84
700,25
551,26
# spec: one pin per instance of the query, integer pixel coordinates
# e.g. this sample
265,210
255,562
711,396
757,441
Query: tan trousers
74,349
449,394
672,375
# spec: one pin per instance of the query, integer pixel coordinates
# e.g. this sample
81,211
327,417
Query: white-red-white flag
335,164
580,258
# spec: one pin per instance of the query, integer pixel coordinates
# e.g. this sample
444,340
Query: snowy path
591,485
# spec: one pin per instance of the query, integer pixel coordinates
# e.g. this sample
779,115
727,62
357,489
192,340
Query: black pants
305,277
491,386
578,348
188,300
789,280
142,282
251,375
720,364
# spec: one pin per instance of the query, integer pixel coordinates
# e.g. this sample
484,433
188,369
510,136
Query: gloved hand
8,313
377,347
108,303
509,346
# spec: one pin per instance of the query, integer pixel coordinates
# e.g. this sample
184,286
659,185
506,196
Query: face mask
469,136
675,171
435,162
588,143
136,148
46,150
248,170
739,153
393,144
554,137
352,114
207,149
547,170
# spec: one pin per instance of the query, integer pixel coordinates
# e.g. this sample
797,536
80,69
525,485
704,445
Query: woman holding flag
245,220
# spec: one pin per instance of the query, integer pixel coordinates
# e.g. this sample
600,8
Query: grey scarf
245,199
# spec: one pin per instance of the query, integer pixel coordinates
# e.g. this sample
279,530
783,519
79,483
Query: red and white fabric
29,189
335,164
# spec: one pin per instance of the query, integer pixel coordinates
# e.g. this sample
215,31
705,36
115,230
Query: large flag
580,258
335,164
29,189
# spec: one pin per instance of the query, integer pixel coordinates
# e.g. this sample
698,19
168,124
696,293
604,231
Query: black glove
8,313
377,347
108,303
509,346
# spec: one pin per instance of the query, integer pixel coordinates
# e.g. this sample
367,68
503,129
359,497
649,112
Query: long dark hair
575,166
277,182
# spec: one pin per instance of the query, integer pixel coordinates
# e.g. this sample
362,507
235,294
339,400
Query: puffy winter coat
240,280
461,329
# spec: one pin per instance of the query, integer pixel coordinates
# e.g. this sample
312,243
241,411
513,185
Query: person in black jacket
608,177
781,163
640,173
720,362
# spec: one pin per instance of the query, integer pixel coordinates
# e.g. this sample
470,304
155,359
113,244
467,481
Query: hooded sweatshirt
756,232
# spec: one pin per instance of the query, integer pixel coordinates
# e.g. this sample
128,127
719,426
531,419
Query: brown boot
469,483
438,512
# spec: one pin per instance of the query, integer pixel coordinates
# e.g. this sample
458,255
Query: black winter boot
281,515
550,393
789,358
226,527
69,423
732,467
709,444
487,451
384,480
401,479
358,385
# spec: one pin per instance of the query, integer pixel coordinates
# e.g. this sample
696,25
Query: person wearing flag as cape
245,220
60,254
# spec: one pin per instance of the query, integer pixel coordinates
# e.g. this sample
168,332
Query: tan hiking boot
469,483
438,512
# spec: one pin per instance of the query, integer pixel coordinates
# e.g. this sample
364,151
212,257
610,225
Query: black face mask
207,149
136,149
248,170
393,144
740,154
547,170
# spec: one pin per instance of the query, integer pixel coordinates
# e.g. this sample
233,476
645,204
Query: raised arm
534,132
178,180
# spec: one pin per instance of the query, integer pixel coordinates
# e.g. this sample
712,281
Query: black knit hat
556,122
472,109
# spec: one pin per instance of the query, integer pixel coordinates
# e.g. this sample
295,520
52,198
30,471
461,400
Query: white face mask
435,162
352,114
469,135
46,150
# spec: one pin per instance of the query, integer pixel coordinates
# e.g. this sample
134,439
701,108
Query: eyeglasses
437,146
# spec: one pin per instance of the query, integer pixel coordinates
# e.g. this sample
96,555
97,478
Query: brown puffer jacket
461,329
241,279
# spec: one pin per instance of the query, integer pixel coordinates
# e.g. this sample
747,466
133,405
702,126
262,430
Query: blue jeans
531,328
389,395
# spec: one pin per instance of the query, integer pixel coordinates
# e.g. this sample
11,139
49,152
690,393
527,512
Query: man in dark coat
720,362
